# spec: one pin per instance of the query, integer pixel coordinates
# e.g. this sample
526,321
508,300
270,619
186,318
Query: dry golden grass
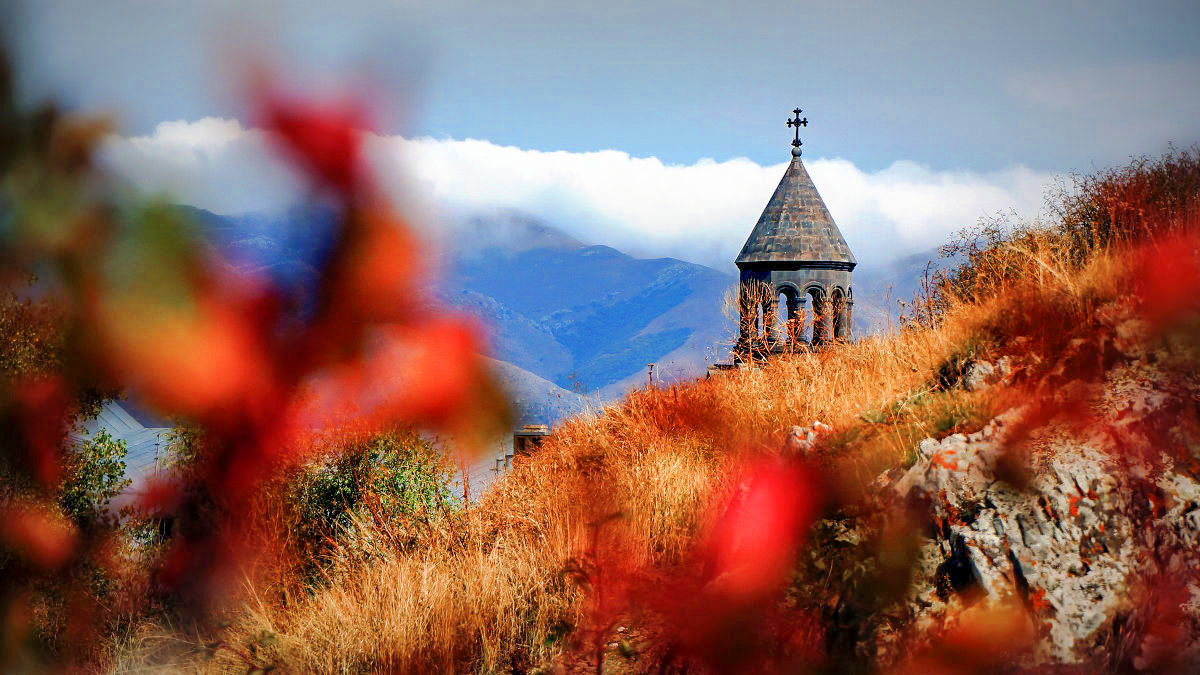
491,587
488,589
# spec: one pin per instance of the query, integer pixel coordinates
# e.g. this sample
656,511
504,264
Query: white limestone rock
982,374
1069,544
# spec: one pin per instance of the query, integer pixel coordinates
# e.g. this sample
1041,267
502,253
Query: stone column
769,310
796,319
820,319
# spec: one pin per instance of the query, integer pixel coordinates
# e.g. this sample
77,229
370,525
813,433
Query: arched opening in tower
790,317
818,331
840,319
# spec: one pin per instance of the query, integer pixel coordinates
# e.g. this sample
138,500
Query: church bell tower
795,270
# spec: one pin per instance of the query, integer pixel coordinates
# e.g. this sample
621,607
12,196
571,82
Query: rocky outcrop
803,440
980,374
1073,524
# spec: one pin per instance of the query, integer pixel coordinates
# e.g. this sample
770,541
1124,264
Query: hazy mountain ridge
599,304
538,399
522,341
563,317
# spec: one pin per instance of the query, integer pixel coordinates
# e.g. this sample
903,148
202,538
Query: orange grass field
675,530
630,492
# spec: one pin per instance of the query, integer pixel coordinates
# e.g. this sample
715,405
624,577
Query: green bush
390,477
93,473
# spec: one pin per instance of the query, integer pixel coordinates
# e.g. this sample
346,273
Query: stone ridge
796,226
1096,520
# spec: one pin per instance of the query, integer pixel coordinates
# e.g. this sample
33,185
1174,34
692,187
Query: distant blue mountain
565,318
584,316
583,319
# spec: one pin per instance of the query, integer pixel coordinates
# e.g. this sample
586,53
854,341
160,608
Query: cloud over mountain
699,212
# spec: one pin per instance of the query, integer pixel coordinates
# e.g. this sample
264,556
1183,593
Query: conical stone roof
796,225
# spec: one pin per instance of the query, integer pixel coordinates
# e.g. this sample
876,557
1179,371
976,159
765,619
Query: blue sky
1052,85
929,94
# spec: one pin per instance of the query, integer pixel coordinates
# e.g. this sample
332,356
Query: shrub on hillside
389,478
1142,201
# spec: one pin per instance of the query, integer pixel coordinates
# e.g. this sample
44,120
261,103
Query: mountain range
588,318
571,324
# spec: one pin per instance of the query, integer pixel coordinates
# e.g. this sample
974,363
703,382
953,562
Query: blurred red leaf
157,496
977,639
325,138
727,615
188,360
428,372
38,535
754,543
1169,275
44,404
385,266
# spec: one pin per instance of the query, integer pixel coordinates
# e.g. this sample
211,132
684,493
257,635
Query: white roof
144,445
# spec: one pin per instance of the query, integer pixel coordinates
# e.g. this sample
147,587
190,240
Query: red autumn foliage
372,352
44,540
224,367
720,610
325,138
1164,625
43,405
728,618
221,349
972,641
1169,274
754,543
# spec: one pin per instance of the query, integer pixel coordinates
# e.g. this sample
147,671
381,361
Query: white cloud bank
700,212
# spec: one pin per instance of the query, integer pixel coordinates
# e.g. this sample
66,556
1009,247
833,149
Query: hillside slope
585,317
1042,566
538,397
1011,483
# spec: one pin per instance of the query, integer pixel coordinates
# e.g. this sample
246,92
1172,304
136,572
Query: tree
93,473
389,476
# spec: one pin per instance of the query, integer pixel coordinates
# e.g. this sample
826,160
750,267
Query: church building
795,288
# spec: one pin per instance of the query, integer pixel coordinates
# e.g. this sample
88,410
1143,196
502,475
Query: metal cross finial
797,123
